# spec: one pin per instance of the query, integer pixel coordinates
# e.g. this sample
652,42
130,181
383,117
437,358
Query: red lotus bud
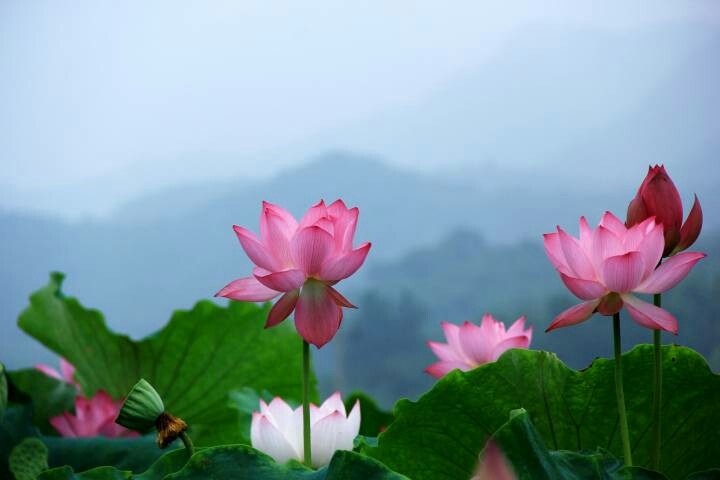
657,197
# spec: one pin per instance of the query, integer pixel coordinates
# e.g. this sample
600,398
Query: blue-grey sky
138,95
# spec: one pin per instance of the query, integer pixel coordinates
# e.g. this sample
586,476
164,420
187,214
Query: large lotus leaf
439,436
530,459
194,362
238,461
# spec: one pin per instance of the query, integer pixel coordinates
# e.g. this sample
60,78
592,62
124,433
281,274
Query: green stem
624,433
657,395
188,443
306,404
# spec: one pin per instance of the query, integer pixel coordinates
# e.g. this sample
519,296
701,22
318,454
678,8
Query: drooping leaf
49,396
194,362
439,436
28,458
530,459
373,420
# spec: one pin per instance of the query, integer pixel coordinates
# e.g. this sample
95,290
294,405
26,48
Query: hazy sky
93,89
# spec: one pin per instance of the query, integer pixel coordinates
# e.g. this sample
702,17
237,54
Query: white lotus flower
277,429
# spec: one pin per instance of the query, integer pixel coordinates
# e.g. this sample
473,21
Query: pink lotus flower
493,465
606,265
658,197
301,261
277,429
471,345
93,416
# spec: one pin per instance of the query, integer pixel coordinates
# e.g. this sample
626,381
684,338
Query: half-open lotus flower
607,264
277,430
93,416
493,465
658,197
469,345
301,261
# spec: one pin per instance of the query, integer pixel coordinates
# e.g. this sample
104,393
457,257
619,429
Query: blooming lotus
607,264
658,197
301,261
93,416
278,431
470,345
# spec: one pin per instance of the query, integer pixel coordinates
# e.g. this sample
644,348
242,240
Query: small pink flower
301,261
93,416
470,345
493,465
277,429
606,265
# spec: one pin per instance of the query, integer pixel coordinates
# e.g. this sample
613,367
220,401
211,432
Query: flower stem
188,443
657,395
306,404
624,433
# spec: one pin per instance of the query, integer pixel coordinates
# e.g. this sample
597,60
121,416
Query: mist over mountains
551,104
550,97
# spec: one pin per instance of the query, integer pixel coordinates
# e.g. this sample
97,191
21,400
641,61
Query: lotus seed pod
142,407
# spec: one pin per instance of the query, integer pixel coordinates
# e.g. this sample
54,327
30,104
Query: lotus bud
657,197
